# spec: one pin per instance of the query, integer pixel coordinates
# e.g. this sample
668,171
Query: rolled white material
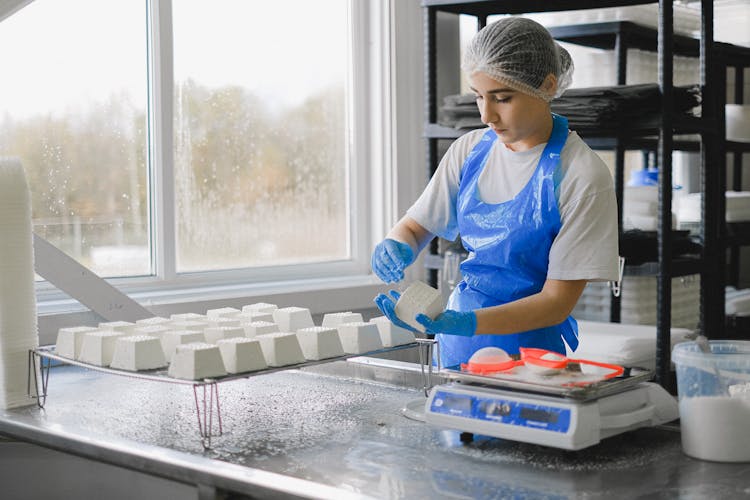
18,320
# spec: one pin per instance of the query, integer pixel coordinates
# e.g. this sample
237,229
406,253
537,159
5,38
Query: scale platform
562,416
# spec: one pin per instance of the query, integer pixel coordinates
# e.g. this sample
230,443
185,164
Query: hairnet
520,53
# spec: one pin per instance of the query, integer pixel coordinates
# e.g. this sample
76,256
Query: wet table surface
346,435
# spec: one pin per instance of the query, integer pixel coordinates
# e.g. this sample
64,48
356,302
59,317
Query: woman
534,206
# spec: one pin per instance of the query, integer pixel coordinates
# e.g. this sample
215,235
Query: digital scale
558,416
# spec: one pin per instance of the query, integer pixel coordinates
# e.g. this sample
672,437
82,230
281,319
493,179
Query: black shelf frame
710,127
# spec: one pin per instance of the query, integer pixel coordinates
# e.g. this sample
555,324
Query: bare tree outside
259,180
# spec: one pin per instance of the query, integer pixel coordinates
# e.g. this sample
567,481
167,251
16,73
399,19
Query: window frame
371,194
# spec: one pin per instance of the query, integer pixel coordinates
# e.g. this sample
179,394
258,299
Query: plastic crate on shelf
638,301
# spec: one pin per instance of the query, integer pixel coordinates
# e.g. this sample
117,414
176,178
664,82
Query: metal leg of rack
209,401
38,372
425,359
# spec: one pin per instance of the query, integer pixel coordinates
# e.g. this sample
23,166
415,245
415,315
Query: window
247,172
260,125
74,110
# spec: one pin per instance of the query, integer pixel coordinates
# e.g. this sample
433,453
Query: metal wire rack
205,391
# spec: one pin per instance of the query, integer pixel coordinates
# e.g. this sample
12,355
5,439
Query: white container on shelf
731,21
738,122
638,301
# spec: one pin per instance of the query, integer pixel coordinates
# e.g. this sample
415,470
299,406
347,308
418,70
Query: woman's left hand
450,323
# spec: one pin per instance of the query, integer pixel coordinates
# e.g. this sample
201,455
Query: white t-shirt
586,246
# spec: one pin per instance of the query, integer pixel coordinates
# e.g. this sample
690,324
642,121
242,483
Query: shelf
638,133
435,131
635,143
681,266
733,55
738,233
596,140
737,147
488,8
604,36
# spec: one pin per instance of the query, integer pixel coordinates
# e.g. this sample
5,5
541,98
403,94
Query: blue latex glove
450,323
387,306
390,258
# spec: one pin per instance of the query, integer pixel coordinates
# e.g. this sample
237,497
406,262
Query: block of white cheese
281,348
138,352
70,340
223,321
151,330
392,335
261,307
187,317
118,326
335,319
241,355
156,320
172,338
320,342
223,312
419,298
215,333
255,328
189,324
247,317
197,361
358,338
99,346
291,319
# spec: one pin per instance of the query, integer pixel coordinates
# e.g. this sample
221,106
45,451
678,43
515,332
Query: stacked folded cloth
620,344
737,207
18,326
737,302
599,109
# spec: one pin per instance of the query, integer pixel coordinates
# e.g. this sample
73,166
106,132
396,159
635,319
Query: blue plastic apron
508,246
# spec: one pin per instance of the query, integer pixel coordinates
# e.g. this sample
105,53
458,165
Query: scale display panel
501,410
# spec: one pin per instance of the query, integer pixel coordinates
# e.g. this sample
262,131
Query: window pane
260,133
74,86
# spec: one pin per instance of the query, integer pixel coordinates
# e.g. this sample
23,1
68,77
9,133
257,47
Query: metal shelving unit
732,56
656,135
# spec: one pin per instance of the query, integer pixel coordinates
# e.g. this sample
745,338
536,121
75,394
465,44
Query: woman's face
519,120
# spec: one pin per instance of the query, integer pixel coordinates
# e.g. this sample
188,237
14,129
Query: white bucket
714,405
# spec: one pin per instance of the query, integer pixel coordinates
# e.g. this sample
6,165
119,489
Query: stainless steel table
336,431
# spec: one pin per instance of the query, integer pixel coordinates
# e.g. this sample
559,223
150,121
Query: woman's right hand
390,258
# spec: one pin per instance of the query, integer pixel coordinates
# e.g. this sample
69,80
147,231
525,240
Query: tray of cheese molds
205,390
162,374
544,372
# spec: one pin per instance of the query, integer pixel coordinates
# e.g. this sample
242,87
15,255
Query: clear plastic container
714,394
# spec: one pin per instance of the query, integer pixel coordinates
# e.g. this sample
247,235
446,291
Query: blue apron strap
480,149
551,154
550,160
